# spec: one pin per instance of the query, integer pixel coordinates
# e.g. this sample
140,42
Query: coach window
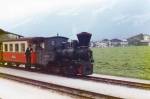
22,47
6,47
10,47
16,47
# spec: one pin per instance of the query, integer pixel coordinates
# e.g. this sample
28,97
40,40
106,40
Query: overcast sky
102,18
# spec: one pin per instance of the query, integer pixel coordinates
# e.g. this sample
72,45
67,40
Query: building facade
140,39
109,43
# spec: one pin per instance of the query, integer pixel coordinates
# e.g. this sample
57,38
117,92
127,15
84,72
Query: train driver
28,55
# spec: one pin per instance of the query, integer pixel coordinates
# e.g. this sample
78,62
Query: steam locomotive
51,54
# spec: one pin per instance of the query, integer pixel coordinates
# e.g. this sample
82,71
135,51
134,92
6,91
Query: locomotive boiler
51,54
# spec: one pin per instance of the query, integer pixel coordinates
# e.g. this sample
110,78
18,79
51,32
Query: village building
109,43
101,44
140,39
115,42
124,43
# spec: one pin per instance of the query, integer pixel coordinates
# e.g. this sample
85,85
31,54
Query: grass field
128,61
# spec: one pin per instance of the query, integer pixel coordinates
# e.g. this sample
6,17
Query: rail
118,82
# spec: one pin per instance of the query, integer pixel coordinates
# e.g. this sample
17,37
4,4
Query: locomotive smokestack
84,38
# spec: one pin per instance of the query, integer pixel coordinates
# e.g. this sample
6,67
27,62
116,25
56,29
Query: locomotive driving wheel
70,70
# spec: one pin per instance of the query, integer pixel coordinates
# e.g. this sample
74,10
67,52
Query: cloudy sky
102,18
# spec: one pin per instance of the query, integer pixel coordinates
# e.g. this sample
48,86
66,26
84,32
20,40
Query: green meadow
123,61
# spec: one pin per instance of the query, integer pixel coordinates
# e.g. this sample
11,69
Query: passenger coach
14,50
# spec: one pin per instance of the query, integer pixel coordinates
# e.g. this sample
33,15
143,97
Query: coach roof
35,38
26,39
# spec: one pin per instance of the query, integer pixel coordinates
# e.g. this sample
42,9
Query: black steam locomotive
70,58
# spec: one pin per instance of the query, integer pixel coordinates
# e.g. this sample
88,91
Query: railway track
73,91
128,83
140,85
76,91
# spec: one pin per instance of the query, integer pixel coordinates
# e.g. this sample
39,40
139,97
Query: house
102,44
140,39
109,43
124,43
98,44
115,42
